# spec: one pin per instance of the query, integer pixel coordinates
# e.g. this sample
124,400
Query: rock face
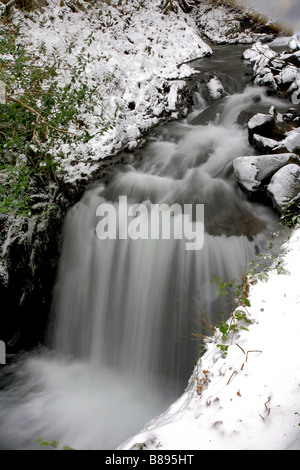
30,252
285,186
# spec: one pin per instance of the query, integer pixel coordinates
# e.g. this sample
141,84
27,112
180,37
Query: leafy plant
238,319
14,190
52,443
46,101
291,214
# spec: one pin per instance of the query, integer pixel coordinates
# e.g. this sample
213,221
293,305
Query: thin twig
41,77
240,348
234,372
35,129
254,350
34,111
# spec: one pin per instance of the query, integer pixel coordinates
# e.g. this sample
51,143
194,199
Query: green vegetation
52,444
238,319
44,105
291,215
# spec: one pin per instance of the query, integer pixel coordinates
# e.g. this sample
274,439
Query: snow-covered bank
133,53
229,23
248,399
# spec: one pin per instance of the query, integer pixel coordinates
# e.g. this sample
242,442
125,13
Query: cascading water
124,310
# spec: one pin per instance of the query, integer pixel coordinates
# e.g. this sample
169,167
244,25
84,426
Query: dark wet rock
265,145
261,124
30,252
271,125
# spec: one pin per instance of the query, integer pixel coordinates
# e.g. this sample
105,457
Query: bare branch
39,116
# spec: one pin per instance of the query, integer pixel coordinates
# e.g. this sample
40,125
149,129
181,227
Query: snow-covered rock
284,186
294,44
266,78
264,144
260,56
280,73
215,88
288,75
262,124
270,133
252,171
292,141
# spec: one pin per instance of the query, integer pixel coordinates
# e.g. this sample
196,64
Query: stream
121,344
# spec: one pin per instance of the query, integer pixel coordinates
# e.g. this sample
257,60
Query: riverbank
248,398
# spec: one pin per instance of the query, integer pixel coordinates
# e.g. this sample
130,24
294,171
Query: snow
132,53
215,88
250,398
292,141
258,120
276,71
222,23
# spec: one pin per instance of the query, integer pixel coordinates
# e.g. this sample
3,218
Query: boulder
266,78
294,44
262,124
264,144
265,130
254,172
284,186
215,88
291,142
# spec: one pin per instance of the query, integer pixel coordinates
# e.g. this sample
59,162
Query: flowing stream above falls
121,345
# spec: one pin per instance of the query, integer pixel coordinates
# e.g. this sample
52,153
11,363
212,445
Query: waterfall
124,310
132,304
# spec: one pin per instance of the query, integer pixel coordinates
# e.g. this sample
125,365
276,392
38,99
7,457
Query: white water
124,311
